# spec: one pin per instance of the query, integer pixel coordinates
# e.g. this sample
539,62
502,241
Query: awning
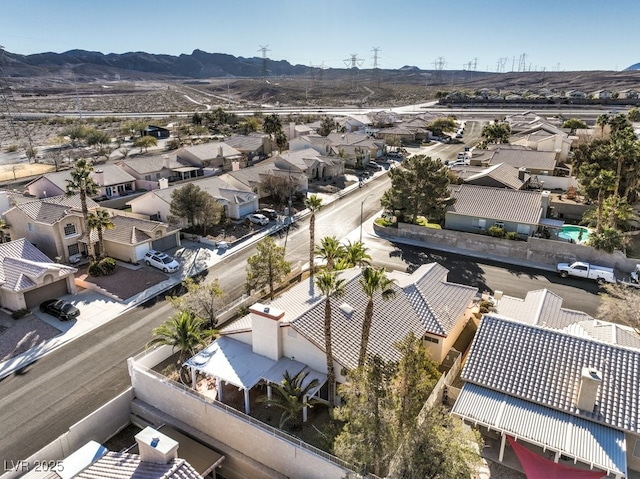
590,443
551,223
185,169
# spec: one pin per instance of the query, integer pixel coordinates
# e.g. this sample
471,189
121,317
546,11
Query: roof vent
156,447
347,308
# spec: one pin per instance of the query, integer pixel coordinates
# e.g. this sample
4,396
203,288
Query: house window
69,229
73,249
479,223
432,340
636,449
500,224
147,177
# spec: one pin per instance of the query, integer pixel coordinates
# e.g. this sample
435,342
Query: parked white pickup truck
580,269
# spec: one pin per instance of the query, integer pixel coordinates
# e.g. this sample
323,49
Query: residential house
112,182
149,170
500,176
237,203
602,94
29,277
542,163
478,208
216,155
576,94
315,166
131,237
357,149
252,178
321,144
254,146
544,137
157,132
53,224
562,402
544,308
288,333
397,135
297,131
630,94
353,123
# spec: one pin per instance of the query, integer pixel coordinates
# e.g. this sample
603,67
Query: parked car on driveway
269,213
161,261
59,308
258,219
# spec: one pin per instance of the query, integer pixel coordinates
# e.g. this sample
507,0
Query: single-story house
157,203
254,146
500,176
112,181
312,164
566,404
252,178
215,154
478,208
518,156
157,132
29,277
149,170
544,137
291,328
349,142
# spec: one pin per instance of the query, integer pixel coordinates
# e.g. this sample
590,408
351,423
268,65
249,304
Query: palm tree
314,203
330,250
100,221
602,121
373,280
82,183
290,396
330,285
355,254
183,331
604,182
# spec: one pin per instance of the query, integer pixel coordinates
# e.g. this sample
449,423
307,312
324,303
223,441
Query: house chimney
521,173
98,177
265,326
235,165
163,183
156,447
589,381
167,161
220,151
544,202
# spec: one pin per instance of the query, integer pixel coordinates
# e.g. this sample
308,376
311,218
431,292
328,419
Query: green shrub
103,267
422,221
20,313
12,148
385,222
512,235
496,231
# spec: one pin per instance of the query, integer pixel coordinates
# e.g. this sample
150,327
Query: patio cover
236,363
589,442
551,223
538,467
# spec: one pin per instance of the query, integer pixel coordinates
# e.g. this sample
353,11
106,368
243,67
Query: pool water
579,234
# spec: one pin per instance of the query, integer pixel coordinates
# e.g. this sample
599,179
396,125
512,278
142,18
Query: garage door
165,243
52,290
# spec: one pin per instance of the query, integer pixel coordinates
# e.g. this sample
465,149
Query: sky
482,35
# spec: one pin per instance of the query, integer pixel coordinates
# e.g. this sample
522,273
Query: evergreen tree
419,187
267,267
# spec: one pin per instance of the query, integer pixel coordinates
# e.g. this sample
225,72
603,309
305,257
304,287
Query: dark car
269,213
60,309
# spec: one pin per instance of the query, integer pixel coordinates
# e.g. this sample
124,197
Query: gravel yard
20,335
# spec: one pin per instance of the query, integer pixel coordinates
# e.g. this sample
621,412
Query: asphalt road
43,400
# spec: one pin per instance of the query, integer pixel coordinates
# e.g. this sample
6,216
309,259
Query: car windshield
66,307
167,259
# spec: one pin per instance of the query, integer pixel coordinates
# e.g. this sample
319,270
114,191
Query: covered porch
230,362
553,441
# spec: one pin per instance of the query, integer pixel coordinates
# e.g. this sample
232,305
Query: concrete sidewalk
97,309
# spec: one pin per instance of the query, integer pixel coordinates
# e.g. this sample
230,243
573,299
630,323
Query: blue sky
568,35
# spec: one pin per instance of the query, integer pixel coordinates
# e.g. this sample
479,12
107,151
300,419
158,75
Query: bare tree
621,304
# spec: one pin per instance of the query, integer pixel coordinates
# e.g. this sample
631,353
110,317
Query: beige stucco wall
257,443
633,444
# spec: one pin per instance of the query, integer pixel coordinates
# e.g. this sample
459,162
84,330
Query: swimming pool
576,234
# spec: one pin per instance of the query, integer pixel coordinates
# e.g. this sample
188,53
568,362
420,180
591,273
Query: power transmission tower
376,77
264,49
438,65
355,62
522,63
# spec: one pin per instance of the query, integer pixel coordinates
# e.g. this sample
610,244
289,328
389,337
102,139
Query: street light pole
361,211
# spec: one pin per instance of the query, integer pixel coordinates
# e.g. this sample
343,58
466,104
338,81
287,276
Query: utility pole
264,49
